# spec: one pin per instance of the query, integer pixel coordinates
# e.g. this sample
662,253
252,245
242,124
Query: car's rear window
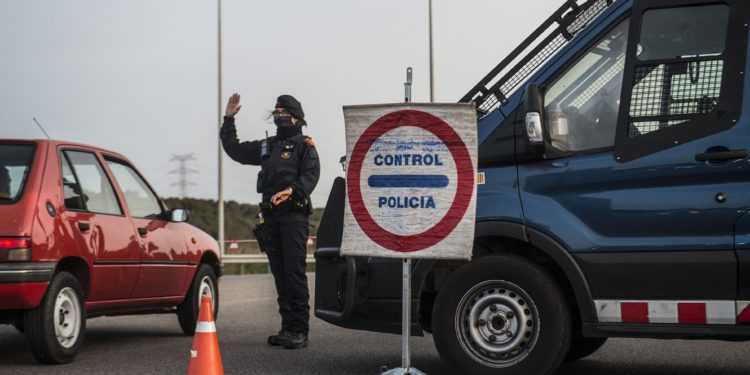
15,161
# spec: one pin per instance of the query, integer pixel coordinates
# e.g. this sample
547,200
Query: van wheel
581,347
204,284
501,314
56,328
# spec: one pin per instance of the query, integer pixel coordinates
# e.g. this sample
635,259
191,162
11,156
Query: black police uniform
284,162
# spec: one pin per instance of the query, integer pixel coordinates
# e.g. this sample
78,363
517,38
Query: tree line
239,218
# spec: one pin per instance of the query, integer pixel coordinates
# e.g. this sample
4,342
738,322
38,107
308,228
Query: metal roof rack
495,88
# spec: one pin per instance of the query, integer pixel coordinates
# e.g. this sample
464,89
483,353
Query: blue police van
615,196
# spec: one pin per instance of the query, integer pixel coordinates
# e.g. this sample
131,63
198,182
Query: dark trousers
285,236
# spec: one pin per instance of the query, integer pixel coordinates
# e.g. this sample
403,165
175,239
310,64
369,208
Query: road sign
411,190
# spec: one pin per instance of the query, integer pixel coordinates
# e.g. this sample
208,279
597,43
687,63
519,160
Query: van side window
582,105
684,74
680,67
96,189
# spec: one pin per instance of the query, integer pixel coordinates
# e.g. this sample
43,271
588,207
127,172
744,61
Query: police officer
289,171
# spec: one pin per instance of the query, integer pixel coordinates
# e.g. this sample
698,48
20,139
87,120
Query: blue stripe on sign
407,181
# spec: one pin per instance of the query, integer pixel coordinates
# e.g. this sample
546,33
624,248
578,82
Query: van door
652,217
94,217
742,245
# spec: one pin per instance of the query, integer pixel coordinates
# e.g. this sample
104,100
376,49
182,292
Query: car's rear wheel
501,314
204,284
581,347
57,327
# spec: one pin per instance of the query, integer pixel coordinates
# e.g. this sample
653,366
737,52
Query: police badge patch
286,154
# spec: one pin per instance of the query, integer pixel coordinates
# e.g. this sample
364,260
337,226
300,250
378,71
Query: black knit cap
292,105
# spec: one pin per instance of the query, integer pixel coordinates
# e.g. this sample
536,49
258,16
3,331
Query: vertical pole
406,316
406,275
220,201
432,76
407,86
405,368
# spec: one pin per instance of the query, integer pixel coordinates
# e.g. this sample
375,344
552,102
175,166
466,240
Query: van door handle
84,226
142,231
721,155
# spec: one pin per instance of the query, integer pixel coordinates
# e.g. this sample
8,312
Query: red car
82,234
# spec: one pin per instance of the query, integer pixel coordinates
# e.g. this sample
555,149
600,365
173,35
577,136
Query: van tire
581,347
204,282
62,313
501,315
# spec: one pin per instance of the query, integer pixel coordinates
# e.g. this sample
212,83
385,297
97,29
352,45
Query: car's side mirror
534,119
179,215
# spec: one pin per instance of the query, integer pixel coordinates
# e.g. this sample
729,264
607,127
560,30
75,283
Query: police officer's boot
296,340
278,339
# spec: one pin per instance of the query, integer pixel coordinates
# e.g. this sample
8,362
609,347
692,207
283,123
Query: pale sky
139,77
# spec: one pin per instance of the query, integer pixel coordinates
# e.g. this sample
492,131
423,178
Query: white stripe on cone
205,327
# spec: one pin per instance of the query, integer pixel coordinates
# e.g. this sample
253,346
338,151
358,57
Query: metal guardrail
248,252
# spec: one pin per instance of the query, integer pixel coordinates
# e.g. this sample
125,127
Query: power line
183,172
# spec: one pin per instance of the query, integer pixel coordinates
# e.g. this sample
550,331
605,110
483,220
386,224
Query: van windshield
15,161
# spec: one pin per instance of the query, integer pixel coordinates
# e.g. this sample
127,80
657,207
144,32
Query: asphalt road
154,344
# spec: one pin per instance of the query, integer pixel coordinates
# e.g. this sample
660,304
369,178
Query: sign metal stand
405,368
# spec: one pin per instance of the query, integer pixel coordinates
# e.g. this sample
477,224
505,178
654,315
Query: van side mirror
179,215
534,119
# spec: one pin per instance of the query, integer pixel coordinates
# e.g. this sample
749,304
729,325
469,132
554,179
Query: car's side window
582,105
72,193
681,66
141,201
95,186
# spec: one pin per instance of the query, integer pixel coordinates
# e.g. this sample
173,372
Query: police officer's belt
292,204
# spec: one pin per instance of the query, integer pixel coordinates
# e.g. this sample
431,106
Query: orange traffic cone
205,358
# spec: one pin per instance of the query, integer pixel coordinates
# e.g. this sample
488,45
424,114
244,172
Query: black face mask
283,122
285,129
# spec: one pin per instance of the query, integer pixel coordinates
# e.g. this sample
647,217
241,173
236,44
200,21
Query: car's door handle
721,155
142,231
84,226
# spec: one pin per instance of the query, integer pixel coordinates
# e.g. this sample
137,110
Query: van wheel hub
497,323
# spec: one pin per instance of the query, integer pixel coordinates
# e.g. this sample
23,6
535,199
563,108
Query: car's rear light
15,249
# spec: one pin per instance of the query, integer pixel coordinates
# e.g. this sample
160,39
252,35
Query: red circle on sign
464,188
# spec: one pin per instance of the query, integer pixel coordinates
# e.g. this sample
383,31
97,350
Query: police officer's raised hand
281,196
234,105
